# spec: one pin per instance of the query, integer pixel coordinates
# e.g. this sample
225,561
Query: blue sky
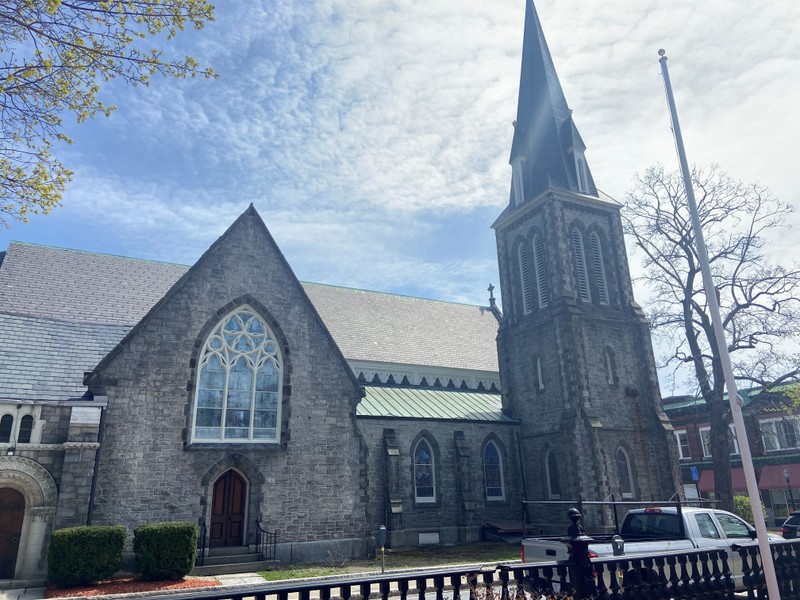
373,135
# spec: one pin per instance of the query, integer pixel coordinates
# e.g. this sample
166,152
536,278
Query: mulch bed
127,585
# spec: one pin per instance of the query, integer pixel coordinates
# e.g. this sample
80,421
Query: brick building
229,393
773,431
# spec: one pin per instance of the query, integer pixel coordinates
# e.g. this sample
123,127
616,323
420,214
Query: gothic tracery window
239,382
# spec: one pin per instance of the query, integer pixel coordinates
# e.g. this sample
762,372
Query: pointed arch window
624,473
551,471
538,265
580,266
537,363
599,268
524,278
239,383
424,480
611,371
493,472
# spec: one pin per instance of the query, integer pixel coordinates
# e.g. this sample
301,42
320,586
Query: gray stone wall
461,505
311,486
579,414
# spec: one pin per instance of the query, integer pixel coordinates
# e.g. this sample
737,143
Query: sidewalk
232,580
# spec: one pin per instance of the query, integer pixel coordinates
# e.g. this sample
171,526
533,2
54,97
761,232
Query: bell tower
576,359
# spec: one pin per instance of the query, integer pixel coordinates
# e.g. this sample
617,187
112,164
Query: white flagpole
722,347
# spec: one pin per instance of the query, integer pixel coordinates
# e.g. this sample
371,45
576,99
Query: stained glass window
239,382
424,485
493,472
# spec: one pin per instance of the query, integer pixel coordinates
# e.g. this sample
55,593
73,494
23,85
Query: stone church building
232,395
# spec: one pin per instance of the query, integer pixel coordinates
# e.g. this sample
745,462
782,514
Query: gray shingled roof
88,288
44,359
416,403
400,329
81,287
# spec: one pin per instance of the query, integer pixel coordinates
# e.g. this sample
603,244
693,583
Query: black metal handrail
201,542
266,542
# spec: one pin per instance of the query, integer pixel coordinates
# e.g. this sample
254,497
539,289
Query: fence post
581,570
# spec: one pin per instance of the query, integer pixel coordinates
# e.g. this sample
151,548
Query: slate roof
391,328
63,310
44,359
417,403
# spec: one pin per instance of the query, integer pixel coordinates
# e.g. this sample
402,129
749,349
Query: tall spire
547,151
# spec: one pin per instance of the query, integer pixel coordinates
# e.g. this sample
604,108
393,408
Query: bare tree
758,299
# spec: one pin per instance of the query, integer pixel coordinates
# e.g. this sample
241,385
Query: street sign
695,474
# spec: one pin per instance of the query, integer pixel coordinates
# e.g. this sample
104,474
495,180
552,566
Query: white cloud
364,130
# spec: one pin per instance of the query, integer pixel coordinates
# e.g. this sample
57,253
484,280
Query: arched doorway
12,513
228,509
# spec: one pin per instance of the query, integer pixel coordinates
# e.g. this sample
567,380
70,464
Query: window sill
234,446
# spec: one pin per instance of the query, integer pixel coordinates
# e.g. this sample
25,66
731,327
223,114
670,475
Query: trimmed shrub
165,550
741,506
84,555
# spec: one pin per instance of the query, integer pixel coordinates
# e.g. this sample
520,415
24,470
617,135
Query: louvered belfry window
239,382
524,278
538,264
580,265
599,268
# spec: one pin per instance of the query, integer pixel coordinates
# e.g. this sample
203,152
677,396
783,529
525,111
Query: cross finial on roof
493,304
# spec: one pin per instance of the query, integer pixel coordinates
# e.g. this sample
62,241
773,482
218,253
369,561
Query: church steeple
547,151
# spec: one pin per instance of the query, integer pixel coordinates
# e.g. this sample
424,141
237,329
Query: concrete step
231,558
227,550
233,567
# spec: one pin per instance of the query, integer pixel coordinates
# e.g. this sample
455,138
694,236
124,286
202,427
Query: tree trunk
721,455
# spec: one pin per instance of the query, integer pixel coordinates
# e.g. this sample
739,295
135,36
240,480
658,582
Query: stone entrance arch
39,491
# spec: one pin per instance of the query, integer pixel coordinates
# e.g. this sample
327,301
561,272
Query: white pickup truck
654,530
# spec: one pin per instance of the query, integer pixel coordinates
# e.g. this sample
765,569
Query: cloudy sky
373,135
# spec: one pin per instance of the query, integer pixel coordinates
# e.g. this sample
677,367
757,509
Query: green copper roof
415,403
748,395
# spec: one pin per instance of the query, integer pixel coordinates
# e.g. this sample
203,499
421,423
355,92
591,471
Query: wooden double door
12,512
228,510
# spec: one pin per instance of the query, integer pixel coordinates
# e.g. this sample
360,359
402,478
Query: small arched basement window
239,383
